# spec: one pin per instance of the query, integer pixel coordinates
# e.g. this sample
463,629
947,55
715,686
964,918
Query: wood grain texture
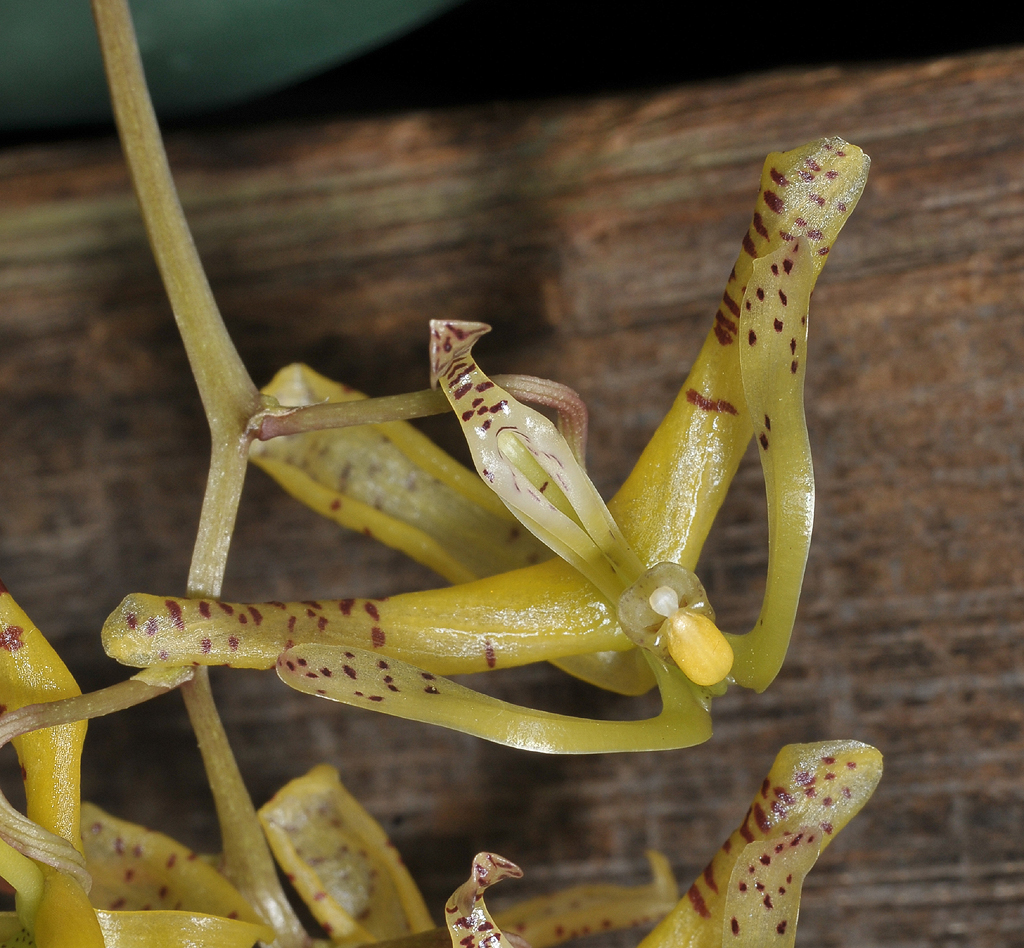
596,236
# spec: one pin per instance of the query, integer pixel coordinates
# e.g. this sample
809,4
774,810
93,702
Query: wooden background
596,236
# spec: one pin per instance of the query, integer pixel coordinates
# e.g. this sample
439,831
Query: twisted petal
469,923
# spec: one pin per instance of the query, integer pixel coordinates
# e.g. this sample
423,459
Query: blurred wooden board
596,236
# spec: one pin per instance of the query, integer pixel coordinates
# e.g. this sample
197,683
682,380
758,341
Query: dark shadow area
495,50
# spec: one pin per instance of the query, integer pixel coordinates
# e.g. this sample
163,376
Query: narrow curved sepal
773,360
136,869
587,909
391,482
469,922
668,503
811,792
367,680
341,861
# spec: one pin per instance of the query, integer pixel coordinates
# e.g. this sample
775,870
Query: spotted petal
136,869
341,861
528,464
469,922
392,482
809,795
365,679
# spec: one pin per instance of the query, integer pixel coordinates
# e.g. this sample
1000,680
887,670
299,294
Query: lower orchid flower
620,606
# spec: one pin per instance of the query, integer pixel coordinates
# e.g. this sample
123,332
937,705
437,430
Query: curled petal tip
450,343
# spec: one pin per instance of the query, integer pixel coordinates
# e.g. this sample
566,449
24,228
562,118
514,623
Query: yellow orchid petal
588,909
65,918
668,503
31,671
469,923
542,612
365,679
13,933
524,459
26,877
341,862
393,483
134,868
773,358
178,929
809,795
765,887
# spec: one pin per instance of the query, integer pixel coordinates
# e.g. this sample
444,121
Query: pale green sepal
368,680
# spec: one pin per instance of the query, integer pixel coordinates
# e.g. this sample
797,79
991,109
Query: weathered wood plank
596,235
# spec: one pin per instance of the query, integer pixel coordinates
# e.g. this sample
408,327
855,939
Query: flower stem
572,411
229,395
231,402
247,860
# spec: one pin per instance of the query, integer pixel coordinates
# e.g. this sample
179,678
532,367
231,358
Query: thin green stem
228,465
231,402
572,412
228,394
247,860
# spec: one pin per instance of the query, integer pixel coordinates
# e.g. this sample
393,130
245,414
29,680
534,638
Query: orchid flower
619,606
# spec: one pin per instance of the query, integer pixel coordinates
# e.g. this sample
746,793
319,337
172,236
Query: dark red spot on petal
10,637
709,404
697,901
174,610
